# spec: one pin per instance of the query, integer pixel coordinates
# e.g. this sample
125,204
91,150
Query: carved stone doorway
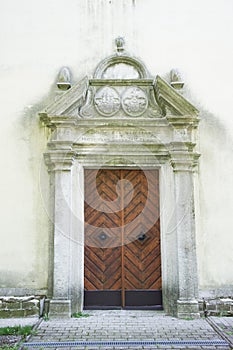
122,118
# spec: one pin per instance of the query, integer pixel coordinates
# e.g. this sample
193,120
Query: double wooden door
122,265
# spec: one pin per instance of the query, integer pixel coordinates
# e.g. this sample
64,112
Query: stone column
59,165
183,163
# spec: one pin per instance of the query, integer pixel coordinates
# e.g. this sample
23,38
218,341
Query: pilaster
60,165
183,163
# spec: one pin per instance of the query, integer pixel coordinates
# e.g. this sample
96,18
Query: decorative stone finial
176,79
64,79
120,43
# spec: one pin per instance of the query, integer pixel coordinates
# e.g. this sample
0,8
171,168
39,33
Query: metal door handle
141,237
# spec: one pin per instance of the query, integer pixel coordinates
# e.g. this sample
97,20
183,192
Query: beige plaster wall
214,234
37,38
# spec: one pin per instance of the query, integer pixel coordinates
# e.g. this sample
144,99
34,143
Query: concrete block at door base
59,308
187,309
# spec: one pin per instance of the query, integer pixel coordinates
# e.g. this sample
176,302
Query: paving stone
127,325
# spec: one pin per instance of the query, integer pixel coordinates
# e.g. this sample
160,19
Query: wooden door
122,265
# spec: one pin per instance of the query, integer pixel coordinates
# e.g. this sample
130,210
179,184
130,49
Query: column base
60,308
188,309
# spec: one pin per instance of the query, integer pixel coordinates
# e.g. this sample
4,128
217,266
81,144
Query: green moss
79,314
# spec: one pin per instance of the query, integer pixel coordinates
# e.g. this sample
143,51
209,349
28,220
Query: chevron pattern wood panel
103,218
115,257
142,263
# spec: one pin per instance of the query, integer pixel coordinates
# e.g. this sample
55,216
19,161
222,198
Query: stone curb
34,328
219,331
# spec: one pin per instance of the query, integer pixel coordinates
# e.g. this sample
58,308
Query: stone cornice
126,122
121,82
183,121
53,121
63,146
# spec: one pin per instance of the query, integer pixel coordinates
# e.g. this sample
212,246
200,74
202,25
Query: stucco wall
37,38
214,235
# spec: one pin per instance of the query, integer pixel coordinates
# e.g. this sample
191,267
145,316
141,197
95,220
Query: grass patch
79,314
7,334
46,317
17,330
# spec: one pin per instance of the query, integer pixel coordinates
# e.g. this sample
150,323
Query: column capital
183,161
59,161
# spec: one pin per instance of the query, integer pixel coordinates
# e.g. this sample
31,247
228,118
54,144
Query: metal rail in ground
214,342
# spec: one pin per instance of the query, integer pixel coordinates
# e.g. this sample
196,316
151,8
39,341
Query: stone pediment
121,88
171,102
74,97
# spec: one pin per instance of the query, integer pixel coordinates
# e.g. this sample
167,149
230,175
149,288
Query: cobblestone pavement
130,326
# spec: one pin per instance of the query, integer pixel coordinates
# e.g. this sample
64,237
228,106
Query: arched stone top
121,67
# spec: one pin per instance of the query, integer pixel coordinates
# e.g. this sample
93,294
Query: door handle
141,237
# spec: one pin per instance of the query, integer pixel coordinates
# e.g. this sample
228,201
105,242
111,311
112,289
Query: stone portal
123,118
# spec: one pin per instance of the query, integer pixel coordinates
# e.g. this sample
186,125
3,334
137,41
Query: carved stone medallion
134,101
107,101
